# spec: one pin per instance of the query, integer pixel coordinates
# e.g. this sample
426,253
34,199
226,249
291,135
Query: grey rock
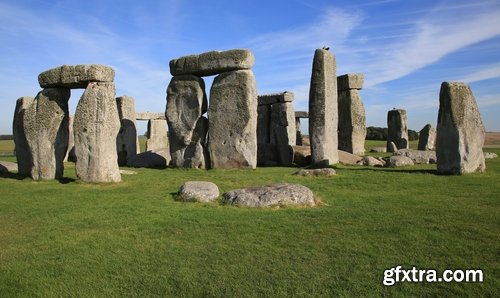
212,63
149,159
283,194
323,112
352,119
23,153
378,149
399,161
490,155
198,191
70,153
317,172
397,129
96,127
301,114
46,123
7,166
127,143
149,116
128,172
75,76
233,120
157,136
302,155
282,131
273,155
460,131
418,156
186,102
347,158
426,138
269,99
392,147
350,81
372,161
264,124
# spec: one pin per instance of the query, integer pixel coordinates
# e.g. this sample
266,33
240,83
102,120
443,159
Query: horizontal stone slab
75,76
269,99
149,116
350,81
301,114
212,63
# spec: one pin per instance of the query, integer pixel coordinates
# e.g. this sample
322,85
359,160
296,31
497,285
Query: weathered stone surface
426,138
127,143
149,116
273,155
460,131
157,137
378,149
154,160
352,127
397,129
23,153
7,166
96,127
298,132
212,63
301,114
269,99
372,161
399,161
282,130
350,81
264,124
323,119
198,191
302,155
283,194
70,153
233,120
392,147
186,102
317,172
46,127
128,172
75,76
348,158
418,156
490,155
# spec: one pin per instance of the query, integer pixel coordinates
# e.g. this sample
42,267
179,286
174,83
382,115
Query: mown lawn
132,239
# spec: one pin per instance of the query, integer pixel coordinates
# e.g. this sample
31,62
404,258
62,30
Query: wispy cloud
486,73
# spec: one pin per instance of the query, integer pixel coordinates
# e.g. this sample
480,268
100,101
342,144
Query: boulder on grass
283,194
198,191
399,161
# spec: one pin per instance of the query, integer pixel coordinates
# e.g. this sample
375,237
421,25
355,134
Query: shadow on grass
16,176
394,170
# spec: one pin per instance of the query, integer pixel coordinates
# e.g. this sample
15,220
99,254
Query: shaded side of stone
426,138
352,122
397,129
22,149
127,143
157,136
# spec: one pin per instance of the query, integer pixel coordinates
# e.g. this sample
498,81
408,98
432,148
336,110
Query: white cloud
486,73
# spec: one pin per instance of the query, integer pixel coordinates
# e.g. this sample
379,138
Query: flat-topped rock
75,76
399,161
269,99
198,191
282,194
149,116
317,172
301,114
372,161
350,81
7,166
418,156
212,63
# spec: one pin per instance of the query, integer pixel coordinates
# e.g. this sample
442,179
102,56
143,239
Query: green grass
132,239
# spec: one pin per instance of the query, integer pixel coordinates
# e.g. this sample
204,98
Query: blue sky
404,48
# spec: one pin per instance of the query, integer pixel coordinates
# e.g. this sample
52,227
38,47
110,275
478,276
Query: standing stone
323,118
23,154
426,138
127,144
186,102
70,153
283,133
96,127
397,129
460,131
233,120
157,137
263,124
352,127
46,127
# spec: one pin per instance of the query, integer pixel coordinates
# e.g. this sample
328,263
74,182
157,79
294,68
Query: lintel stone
75,76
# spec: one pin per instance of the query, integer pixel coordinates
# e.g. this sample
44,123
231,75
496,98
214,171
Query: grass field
132,239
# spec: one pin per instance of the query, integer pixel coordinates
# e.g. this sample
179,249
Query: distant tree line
6,137
380,133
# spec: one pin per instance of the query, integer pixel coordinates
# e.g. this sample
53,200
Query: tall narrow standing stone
233,120
460,131
157,137
96,126
70,153
46,127
323,118
397,129
426,138
283,133
186,102
352,127
127,144
23,154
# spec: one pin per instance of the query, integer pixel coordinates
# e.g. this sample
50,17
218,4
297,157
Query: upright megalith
323,117
127,144
186,103
352,119
23,154
299,115
70,153
397,129
426,138
460,131
96,127
233,120
46,127
157,136
75,76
